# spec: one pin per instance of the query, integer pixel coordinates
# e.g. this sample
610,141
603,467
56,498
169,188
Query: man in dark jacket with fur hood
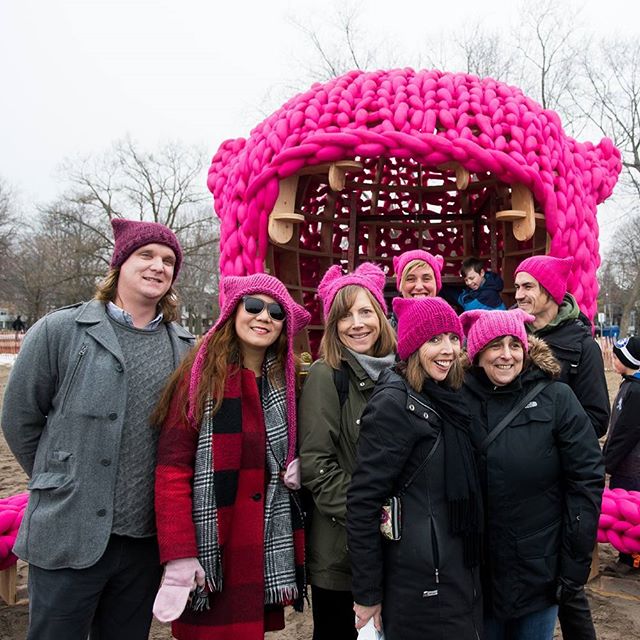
541,290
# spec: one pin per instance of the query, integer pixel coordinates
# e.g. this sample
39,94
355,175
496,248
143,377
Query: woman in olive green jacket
358,344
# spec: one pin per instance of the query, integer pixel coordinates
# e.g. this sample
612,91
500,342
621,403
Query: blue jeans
538,625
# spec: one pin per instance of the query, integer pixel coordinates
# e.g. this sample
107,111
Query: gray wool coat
62,418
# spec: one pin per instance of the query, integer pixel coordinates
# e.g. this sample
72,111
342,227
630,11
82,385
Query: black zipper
436,554
81,353
436,564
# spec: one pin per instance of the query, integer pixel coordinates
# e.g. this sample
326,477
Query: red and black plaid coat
238,612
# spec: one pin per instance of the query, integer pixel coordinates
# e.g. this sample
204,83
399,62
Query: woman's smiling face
359,328
438,355
502,360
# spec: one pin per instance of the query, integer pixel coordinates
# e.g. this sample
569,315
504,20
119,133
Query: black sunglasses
254,306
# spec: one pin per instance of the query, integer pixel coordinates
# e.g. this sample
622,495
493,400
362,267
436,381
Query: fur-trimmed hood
540,356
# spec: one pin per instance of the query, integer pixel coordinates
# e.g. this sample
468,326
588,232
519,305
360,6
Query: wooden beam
8,584
462,175
283,216
522,200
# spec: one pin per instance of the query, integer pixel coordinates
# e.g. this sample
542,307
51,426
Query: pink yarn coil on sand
11,512
620,520
431,117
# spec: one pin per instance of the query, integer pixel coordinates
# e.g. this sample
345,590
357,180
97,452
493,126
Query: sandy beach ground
615,613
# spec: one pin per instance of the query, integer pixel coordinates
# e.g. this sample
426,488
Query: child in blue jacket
483,287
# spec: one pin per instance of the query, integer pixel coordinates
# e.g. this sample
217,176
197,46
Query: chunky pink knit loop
11,512
619,522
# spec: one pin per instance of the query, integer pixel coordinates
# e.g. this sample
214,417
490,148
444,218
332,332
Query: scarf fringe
280,595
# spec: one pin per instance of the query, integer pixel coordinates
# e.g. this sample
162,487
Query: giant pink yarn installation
430,117
11,512
620,520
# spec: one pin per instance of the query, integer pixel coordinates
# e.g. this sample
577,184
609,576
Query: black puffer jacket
543,478
582,367
425,589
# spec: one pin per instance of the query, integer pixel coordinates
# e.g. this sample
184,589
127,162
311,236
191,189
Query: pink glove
291,477
180,579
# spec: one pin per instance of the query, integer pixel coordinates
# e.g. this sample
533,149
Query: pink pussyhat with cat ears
481,326
435,262
368,275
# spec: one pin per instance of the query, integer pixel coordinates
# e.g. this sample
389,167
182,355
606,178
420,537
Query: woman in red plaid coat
229,527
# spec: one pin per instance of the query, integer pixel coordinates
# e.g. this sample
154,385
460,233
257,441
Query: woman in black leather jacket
415,429
542,476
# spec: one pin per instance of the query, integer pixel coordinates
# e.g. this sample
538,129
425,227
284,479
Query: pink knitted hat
552,273
419,319
481,326
133,234
232,290
368,275
435,262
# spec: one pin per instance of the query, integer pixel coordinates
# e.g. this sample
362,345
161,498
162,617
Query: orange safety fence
10,342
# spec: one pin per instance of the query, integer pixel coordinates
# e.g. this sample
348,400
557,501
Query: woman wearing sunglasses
229,529
358,344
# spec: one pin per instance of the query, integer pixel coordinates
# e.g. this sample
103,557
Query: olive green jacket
328,435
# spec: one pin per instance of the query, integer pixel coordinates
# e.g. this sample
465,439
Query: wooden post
8,584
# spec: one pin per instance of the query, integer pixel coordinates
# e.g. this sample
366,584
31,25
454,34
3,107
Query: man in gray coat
76,416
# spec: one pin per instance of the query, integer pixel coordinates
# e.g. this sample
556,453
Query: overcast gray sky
79,74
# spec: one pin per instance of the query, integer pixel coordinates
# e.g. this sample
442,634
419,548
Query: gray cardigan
62,418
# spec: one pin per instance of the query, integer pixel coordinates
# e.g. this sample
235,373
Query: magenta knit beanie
552,273
481,326
130,235
368,275
232,290
435,262
419,319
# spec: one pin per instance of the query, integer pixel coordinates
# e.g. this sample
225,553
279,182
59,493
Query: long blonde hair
331,346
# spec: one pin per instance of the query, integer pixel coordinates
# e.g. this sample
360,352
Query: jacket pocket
81,353
48,481
536,568
541,543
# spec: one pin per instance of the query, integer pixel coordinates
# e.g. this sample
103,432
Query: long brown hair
223,358
414,373
331,346
107,289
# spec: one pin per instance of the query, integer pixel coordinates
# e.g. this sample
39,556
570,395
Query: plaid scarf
279,561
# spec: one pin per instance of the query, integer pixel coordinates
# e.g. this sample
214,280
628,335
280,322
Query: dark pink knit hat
367,275
133,234
435,262
232,290
419,319
481,326
551,272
